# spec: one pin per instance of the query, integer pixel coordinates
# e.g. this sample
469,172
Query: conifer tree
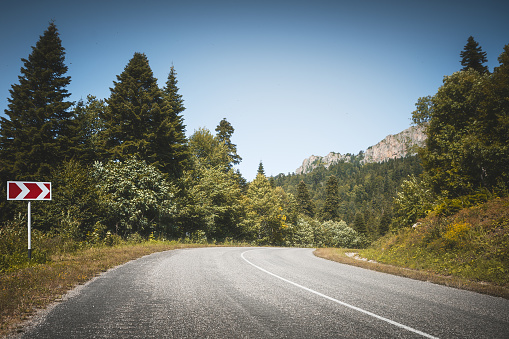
40,132
385,222
306,206
331,206
261,170
473,57
139,120
360,224
179,146
224,133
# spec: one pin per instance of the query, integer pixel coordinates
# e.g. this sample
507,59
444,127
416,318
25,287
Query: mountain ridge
391,147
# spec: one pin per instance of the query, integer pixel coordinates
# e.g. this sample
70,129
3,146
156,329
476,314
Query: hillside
470,244
391,147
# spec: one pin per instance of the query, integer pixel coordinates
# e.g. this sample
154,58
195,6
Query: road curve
223,292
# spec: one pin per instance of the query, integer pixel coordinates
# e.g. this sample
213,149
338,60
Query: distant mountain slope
391,147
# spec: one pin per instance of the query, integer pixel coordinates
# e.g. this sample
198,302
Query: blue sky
294,78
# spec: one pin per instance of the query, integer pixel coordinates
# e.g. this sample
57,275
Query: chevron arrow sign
23,190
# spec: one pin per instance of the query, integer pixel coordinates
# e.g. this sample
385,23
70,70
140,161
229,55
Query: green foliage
40,130
74,208
135,196
178,147
468,132
140,121
88,116
424,110
338,234
367,189
472,243
263,221
224,133
309,232
304,231
413,201
331,206
473,57
261,170
306,206
208,151
217,198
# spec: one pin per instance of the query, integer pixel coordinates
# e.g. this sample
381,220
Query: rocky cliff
391,147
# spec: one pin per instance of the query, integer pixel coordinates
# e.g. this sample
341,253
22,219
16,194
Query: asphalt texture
265,293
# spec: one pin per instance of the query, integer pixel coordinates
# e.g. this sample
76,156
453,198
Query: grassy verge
339,255
25,290
468,250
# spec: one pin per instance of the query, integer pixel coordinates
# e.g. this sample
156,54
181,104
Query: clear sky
294,78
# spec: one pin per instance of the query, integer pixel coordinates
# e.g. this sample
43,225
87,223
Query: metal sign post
29,231
22,190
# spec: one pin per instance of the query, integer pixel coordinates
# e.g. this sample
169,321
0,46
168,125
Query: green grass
469,249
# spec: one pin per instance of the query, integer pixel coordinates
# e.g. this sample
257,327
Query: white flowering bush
136,196
303,232
339,234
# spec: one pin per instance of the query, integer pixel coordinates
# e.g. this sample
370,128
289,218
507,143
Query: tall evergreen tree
40,131
331,206
385,222
179,146
360,224
139,120
224,133
473,57
261,170
306,206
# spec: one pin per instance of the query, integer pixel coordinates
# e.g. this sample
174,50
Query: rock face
392,147
396,146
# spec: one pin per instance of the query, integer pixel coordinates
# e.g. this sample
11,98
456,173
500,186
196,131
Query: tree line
123,165
464,161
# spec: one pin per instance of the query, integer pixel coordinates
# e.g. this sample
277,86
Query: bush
338,234
136,196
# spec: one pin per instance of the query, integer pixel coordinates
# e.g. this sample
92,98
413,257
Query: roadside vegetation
468,250
59,265
126,181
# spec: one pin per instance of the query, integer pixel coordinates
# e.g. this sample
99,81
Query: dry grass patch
24,291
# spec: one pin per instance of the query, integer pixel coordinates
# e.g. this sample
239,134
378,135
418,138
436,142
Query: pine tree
224,133
139,120
261,170
385,222
41,131
179,146
306,206
331,206
473,57
360,224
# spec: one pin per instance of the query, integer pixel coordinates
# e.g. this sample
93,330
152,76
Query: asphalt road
265,293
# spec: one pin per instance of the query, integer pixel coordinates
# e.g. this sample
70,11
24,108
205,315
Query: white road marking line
340,302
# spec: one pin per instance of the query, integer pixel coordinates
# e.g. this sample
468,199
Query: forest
123,168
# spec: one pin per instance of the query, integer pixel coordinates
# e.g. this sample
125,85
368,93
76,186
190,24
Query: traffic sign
23,190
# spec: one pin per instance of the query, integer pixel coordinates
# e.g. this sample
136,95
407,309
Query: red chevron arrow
21,190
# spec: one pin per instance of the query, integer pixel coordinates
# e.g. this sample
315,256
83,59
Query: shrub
136,196
338,234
